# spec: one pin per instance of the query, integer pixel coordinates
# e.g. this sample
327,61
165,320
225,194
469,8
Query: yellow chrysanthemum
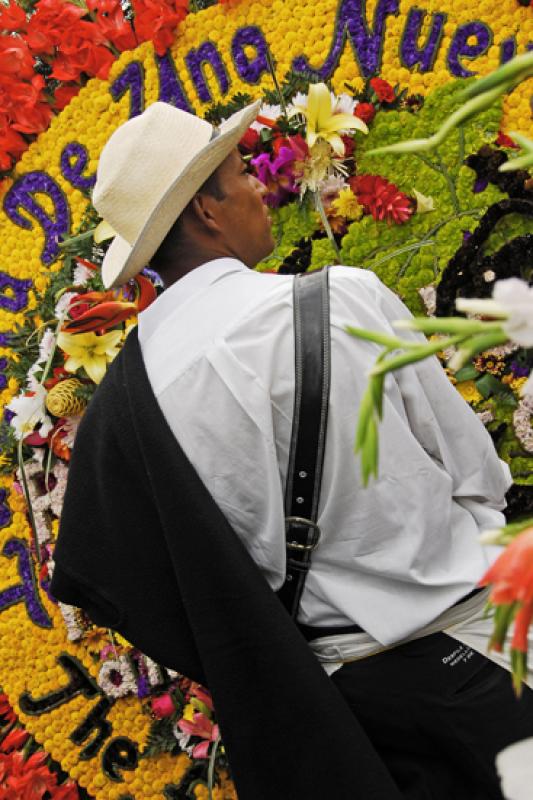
346,205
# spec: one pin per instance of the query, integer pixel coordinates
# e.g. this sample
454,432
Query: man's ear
204,209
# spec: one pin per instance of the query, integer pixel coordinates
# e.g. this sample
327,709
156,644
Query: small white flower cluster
116,677
522,422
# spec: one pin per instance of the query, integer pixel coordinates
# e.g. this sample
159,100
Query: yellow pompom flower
89,351
346,205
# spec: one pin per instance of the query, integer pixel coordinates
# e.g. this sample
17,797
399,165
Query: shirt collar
179,292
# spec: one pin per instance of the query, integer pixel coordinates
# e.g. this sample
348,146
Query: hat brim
123,260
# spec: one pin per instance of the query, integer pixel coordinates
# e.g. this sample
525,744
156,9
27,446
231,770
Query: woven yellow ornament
62,400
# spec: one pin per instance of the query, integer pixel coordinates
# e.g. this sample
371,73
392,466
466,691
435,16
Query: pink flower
278,175
201,726
163,706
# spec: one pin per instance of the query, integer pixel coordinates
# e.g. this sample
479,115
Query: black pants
438,713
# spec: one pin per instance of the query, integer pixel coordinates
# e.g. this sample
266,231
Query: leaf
468,373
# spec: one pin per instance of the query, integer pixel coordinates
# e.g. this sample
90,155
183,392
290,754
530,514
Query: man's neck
185,265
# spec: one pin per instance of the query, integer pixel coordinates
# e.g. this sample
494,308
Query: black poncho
144,549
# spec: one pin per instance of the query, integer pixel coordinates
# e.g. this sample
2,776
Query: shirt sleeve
447,428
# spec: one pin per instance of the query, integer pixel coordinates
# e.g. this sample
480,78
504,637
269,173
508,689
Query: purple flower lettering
21,195
195,60
26,591
131,78
460,49
73,172
17,299
410,53
250,71
366,45
170,88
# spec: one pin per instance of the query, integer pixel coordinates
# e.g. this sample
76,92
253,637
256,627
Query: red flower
382,199
249,141
15,58
12,18
505,141
67,791
12,145
64,94
156,20
383,90
349,145
5,709
163,706
112,23
365,111
14,740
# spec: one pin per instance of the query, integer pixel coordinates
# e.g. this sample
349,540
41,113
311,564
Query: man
397,562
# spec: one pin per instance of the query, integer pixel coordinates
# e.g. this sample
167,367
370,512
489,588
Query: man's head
226,217
154,167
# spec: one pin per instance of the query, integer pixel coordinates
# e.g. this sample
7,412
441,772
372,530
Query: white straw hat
149,170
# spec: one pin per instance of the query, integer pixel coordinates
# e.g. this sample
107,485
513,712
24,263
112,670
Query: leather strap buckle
304,523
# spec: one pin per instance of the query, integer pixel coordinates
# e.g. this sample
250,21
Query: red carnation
249,141
383,90
349,145
382,199
5,709
365,111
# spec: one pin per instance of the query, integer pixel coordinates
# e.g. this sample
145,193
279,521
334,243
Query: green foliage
409,256
161,738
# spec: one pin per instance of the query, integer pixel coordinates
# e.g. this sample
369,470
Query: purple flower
277,174
519,370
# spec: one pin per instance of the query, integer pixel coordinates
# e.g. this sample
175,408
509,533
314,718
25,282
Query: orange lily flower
511,577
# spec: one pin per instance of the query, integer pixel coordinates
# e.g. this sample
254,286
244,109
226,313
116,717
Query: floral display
117,725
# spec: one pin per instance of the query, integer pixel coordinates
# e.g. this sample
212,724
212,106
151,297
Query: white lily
512,301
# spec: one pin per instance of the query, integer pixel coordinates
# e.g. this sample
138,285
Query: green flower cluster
409,256
290,224
322,254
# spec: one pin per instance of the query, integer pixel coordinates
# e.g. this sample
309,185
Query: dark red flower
249,141
365,111
384,91
349,145
382,199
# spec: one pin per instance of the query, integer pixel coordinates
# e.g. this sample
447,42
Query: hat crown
141,160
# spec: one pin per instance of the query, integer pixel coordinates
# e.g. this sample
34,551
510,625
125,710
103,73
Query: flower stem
272,70
26,491
211,768
320,208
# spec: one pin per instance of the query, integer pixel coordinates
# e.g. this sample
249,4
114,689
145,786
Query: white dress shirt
219,351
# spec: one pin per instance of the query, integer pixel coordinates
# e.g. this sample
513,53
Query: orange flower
511,577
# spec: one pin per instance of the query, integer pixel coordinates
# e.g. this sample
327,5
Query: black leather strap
308,440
